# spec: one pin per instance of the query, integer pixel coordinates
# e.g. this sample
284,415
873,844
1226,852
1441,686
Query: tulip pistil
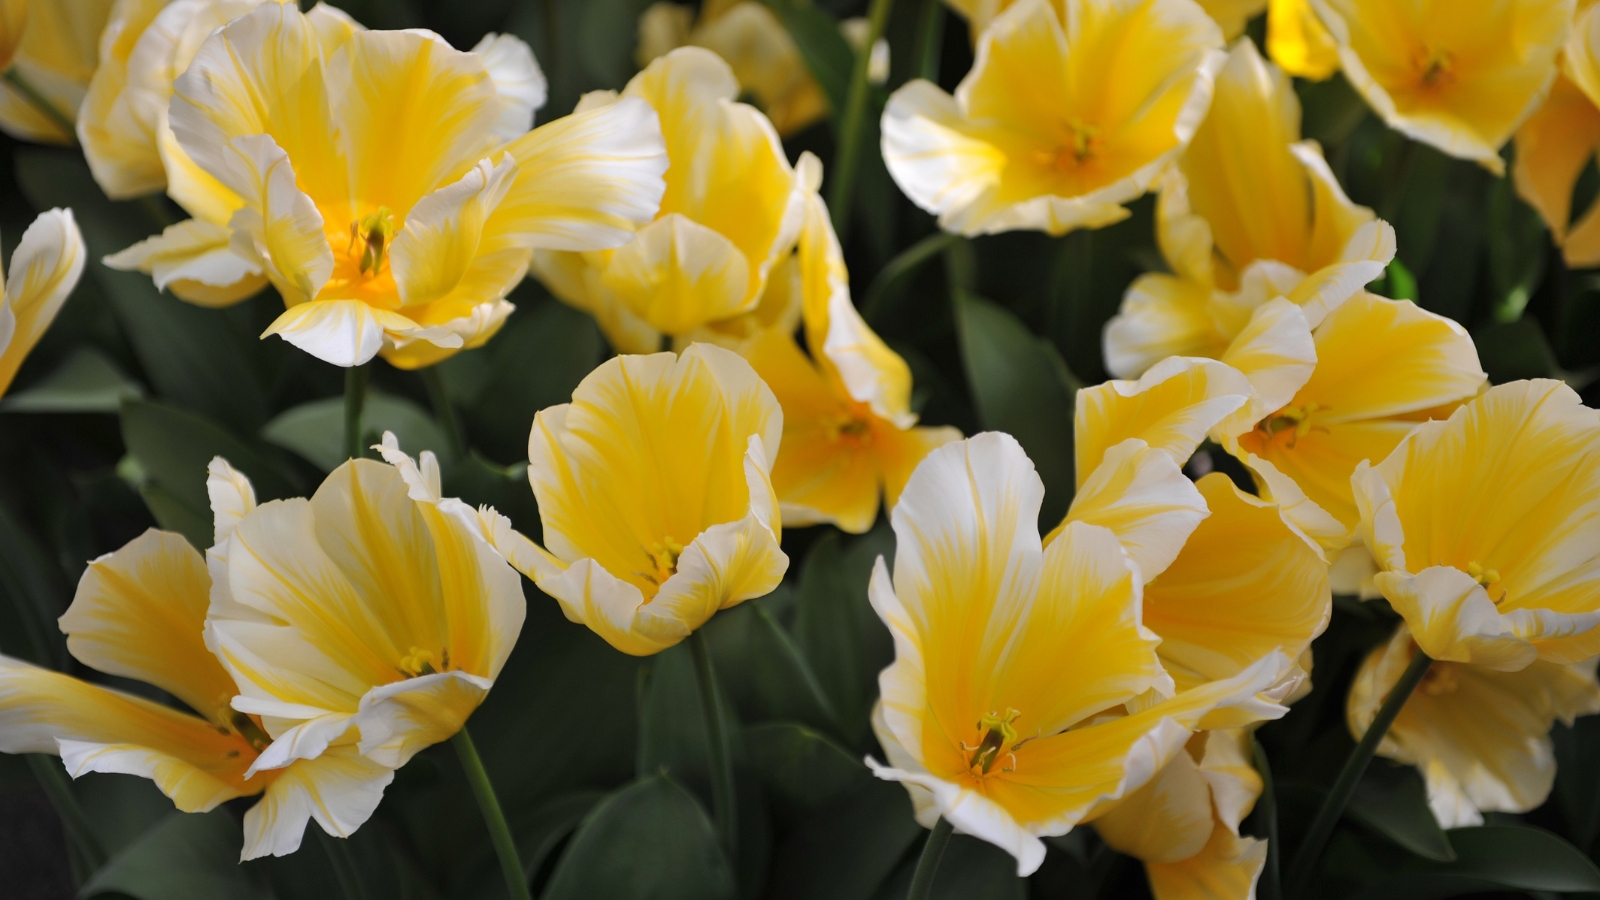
998,734
664,557
419,662
249,730
374,232
1437,67
1486,577
1292,418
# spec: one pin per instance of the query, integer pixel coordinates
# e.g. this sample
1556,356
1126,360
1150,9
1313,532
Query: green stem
908,261
928,862
499,832
443,411
930,39
850,124
1267,806
344,865
39,101
723,798
1321,829
355,397
47,770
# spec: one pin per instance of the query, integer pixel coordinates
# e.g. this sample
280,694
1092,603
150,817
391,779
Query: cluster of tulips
393,190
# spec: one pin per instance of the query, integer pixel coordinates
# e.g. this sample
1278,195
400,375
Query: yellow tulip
140,613
753,42
655,495
1481,738
1298,42
52,47
731,212
1460,75
1184,824
1557,142
1230,15
1250,213
1026,696
849,434
1055,128
45,268
1486,528
373,614
392,219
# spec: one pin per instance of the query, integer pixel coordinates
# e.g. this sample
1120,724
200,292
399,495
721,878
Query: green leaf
173,448
802,771
536,361
1393,801
1018,387
1515,350
1517,251
1517,857
185,857
649,840
199,358
824,49
538,832
315,430
86,383
836,628
970,868
846,851
1578,778
762,670
32,585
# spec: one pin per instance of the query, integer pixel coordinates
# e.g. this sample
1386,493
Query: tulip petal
279,227
445,251
1226,868
196,260
678,275
1161,316
340,789
1166,821
518,82
232,497
1553,147
45,268
1275,351
1143,497
938,160
399,720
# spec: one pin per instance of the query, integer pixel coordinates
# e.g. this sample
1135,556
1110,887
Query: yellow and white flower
52,46
45,268
392,219
1557,142
1068,113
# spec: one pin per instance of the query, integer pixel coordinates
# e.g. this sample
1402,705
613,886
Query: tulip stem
39,101
1267,806
723,800
930,39
443,411
355,397
850,123
499,832
1339,795
47,771
344,865
928,862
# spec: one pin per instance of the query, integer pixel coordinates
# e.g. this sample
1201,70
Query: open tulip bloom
389,219
47,51
45,268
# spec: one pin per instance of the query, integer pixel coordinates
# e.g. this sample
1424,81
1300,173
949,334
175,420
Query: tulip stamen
374,232
1083,143
1293,418
998,734
1437,67
663,558
1486,577
419,662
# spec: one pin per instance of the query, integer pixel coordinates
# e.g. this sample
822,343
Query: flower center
663,559
246,727
1437,67
1439,679
419,662
1083,144
1295,419
999,741
1486,577
373,232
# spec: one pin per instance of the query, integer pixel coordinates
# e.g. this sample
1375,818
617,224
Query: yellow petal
1297,41
1219,606
1581,60
1228,765
45,268
445,252
399,720
1166,821
1275,351
942,163
900,452
280,228
13,19
100,730
1233,14
117,131
57,54
678,275
1480,737
196,260
342,332
340,789
663,27
765,60
1553,147
140,613
518,82
1225,869
1141,494
1161,316
1461,76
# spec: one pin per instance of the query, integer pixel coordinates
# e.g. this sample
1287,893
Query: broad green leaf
538,832
1517,251
846,851
86,383
1515,350
1393,801
969,868
535,362
315,430
199,358
32,586
836,628
762,670
1517,857
185,857
1578,778
802,771
1018,387
173,448
649,840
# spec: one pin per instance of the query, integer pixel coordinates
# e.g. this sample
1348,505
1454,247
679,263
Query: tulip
391,219
731,212
1010,710
1480,737
849,434
1230,15
753,42
1458,76
1298,42
1486,528
48,53
1557,142
1250,213
140,613
45,268
1056,129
